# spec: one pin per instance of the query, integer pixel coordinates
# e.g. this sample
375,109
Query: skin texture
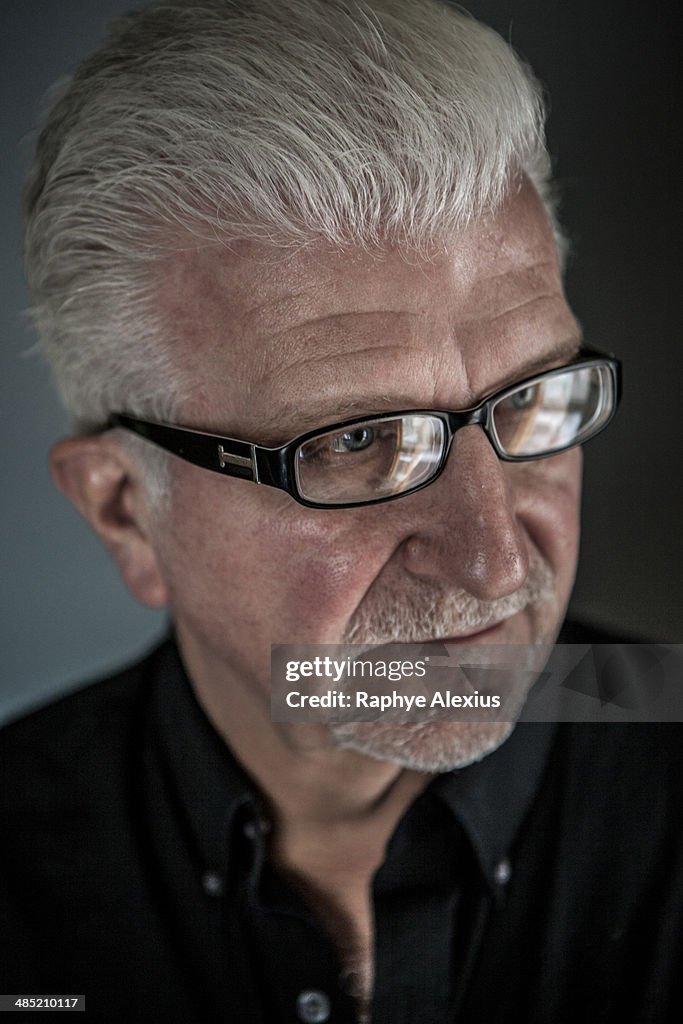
308,335
283,343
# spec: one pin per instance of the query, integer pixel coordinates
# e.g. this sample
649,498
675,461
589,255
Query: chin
423,746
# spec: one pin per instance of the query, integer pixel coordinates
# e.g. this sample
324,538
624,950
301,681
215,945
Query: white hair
362,123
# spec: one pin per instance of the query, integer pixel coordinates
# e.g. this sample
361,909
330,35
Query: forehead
275,341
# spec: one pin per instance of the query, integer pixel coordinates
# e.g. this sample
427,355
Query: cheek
324,564
257,563
548,506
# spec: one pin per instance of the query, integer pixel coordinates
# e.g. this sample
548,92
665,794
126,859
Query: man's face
283,345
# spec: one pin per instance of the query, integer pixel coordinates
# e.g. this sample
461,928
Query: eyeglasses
380,458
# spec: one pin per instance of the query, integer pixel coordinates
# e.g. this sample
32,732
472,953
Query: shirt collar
215,796
491,798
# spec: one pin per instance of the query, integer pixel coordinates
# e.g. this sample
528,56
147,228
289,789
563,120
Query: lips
476,634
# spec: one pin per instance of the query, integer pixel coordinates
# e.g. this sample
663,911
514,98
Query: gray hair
362,123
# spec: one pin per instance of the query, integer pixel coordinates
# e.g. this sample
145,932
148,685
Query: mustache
423,611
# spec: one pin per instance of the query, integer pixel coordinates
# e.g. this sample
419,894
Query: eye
354,440
524,398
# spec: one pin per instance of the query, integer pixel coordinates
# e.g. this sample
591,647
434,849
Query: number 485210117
42,1002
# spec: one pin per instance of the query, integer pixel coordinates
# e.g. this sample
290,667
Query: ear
103,482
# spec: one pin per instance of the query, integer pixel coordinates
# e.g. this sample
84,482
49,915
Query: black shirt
543,884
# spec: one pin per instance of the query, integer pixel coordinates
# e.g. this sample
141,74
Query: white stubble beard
429,612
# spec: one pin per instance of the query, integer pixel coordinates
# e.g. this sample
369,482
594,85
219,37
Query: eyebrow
293,421
565,351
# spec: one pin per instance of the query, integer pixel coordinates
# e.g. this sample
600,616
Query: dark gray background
609,69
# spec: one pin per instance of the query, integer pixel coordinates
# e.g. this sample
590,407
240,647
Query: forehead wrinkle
532,267
267,317
353,315
347,336
343,325
494,295
517,307
279,374
290,310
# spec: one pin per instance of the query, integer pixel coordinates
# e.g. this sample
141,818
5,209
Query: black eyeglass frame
276,467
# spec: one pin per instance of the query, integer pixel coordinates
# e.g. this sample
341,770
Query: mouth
478,634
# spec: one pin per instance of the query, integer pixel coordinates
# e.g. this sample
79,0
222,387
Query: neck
333,811
307,780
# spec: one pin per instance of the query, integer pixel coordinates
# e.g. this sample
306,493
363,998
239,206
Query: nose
468,534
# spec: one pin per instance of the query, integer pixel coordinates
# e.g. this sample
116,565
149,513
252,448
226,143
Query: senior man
289,243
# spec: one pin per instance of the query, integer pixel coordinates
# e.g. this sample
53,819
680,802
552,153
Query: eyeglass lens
388,456
371,460
554,412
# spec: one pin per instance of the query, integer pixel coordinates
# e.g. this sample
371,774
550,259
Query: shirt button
502,872
253,828
312,1007
212,883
